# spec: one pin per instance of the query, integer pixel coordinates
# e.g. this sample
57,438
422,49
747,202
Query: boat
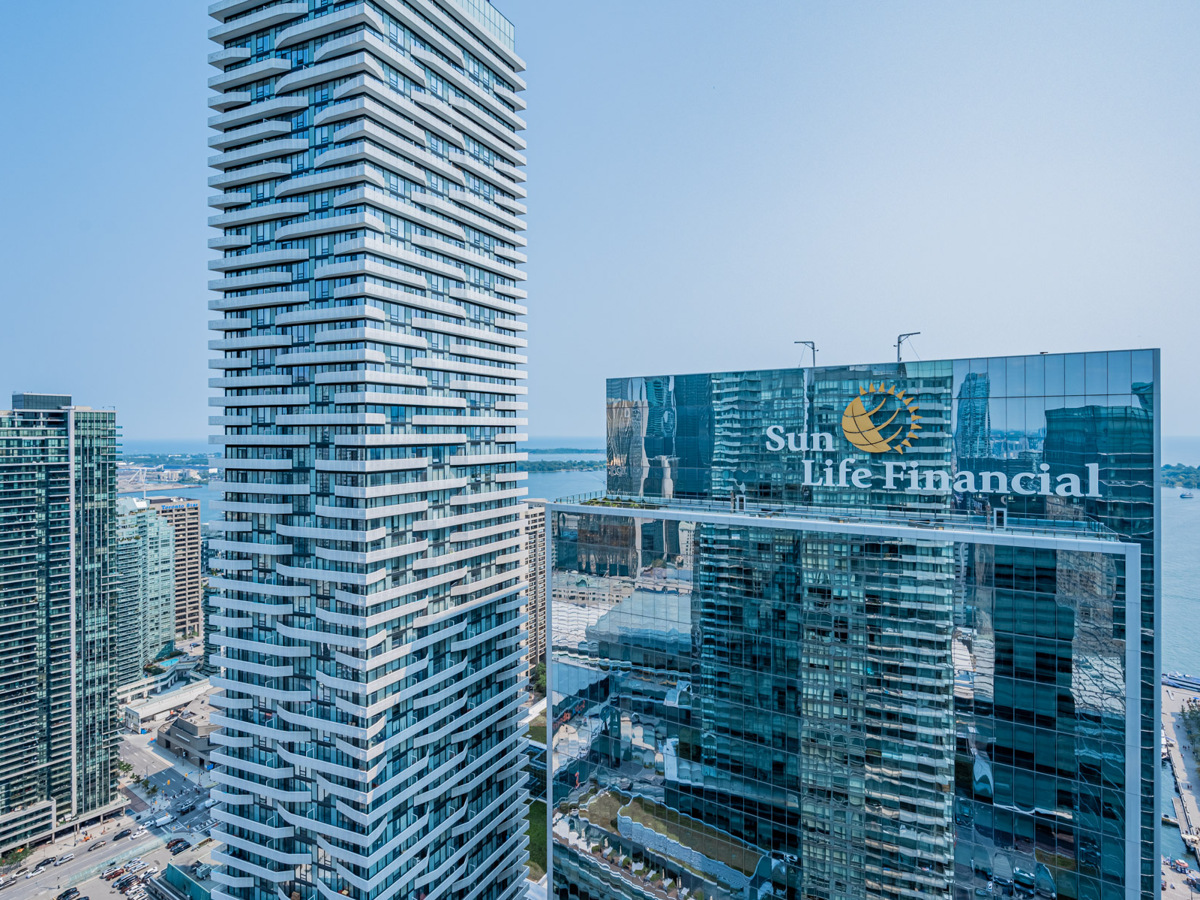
1186,495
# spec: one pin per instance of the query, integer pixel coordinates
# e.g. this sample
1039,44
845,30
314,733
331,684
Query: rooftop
490,20
855,518
28,400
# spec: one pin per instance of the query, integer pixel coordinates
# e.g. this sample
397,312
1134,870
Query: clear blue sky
708,182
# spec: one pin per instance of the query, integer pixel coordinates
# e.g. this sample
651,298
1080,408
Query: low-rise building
141,714
187,735
189,882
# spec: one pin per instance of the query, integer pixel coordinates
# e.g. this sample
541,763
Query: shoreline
1178,752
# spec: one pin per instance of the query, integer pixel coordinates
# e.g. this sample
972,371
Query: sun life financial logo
873,430
882,419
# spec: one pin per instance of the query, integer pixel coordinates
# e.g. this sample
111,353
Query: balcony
359,14
254,301
399,207
263,130
242,282
222,58
334,70
258,21
366,129
363,86
335,178
264,213
366,41
261,151
371,335
246,74
221,857
331,314
223,102
330,224
267,109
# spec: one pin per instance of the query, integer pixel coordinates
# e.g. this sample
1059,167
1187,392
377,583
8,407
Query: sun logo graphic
874,430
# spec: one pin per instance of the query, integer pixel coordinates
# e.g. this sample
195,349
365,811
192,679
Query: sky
708,182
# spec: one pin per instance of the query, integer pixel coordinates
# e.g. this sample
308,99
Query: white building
371,575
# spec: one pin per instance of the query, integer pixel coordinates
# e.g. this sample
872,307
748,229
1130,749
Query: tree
539,679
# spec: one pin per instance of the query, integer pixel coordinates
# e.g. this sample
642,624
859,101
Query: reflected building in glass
878,631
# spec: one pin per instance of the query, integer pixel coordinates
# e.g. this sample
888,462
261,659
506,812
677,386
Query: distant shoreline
562,465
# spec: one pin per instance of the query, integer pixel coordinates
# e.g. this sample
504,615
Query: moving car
184,810
123,833
38,871
62,859
94,844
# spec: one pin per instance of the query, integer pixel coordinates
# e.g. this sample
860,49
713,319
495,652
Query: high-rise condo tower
58,711
370,576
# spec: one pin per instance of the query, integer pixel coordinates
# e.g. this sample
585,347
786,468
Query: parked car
112,873
179,848
69,894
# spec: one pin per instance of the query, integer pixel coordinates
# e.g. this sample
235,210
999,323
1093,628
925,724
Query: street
178,783
84,870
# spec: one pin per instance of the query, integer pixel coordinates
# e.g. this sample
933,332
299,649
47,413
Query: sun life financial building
863,631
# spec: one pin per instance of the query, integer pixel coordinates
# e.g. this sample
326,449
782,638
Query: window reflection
757,711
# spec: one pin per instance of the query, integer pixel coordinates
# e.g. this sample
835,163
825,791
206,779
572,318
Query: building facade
369,579
189,734
183,515
57,597
535,549
144,615
805,647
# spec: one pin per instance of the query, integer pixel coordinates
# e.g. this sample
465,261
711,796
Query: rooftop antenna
811,346
901,338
